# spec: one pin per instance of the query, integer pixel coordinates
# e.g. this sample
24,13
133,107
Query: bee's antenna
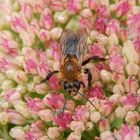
86,98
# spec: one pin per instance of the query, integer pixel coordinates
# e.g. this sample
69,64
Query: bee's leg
64,106
95,58
49,76
88,72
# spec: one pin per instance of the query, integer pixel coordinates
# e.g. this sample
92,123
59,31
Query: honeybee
73,47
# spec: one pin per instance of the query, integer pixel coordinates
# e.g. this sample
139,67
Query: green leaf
117,123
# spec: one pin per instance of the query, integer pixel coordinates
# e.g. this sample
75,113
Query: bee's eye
77,85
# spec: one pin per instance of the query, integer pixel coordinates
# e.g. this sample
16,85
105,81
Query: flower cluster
29,49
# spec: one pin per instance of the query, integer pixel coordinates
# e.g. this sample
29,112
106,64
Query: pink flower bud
53,132
118,77
95,116
12,96
104,125
56,5
41,88
56,33
107,135
55,101
133,56
97,91
21,107
120,112
132,117
116,62
81,114
86,13
61,17
131,85
4,117
17,133
118,89
15,117
113,27
20,77
7,85
46,20
128,132
113,39
105,76
26,11
46,115
44,35
77,126
18,22
97,50
73,6
35,104
63,119
132,69
70,105
105,107
89,126
74,136
129,101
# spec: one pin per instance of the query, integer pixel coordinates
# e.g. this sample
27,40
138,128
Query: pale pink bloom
127,132
81,114
89,126
46,115
54,83
41,88
26,11
12,96
86,22
96,91
114,49
123,7
116,62
91,4
46,20
118,89
17,133
36,130
118,77
18,23
120,112
34,26
55,101
63,119
53,132
56,5
73,6
97,49
70,105
100,24
129,101
104,125
107,135
44,35
30,66
4,64
39,5
131,85
15,117
20,77
8,45
113,26
35,104
95,116
56,33
105,107
77,126
4,118
132,117
87,13
102,11
42,69
74,136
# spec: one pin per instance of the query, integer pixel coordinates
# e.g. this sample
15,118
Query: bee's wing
73,44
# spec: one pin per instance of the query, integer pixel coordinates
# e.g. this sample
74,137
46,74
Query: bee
73,47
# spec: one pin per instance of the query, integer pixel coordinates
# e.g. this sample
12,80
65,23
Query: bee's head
73,86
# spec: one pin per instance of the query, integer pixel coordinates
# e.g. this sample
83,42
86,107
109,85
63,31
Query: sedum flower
53,132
